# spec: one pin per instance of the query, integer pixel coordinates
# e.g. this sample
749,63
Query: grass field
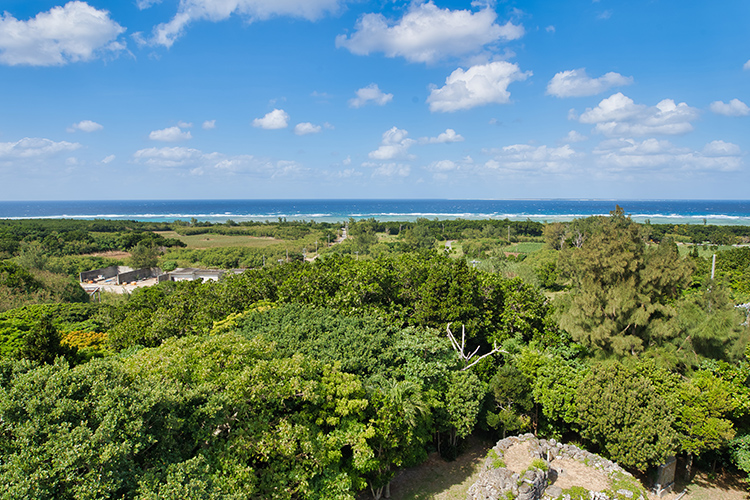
208,240
703,250
525,247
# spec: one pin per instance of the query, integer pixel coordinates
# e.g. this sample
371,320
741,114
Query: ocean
657,211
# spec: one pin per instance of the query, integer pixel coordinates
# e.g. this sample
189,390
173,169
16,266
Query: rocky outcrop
496,482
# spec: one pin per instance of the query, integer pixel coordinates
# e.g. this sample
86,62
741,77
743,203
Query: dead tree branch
460,348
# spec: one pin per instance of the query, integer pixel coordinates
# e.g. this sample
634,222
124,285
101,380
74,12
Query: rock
553,491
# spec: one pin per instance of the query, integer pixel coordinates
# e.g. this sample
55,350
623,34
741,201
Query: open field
209,240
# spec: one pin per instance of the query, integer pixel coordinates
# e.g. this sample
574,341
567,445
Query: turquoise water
657,211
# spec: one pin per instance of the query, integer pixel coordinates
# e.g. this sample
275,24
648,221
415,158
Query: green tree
42,342
144,255
513,400
623,415
704,403
623,291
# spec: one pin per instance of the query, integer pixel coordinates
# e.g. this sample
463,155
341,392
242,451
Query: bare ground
437,479
111,254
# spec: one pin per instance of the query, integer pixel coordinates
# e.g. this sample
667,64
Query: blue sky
181,99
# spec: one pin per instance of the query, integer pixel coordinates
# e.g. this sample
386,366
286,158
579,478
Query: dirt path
437,479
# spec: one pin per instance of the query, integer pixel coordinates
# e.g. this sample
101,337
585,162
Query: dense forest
321,377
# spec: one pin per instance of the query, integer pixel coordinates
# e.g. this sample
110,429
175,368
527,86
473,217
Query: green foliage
497,461
577,493
144,255
704,403
42,343
540,464
362,344
621,484
214,417
620,412
623,291
512,398
740,453
712,327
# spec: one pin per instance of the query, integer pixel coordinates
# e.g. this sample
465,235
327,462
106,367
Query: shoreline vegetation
347,351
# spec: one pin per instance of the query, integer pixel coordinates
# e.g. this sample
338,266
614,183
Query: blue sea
656,211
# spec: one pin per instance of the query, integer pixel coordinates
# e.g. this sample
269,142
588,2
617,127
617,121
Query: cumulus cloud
209,125
371,93
170,134
34,147
735,107
525,158
71,33
449,135
576,83
619,116
276,119
307,128
395,144
747,65
721,148
252,10
108,159
620,155
196,162
85,126
427,33
479,85
182,124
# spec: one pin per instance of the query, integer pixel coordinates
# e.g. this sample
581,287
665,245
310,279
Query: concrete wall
146,272
107,272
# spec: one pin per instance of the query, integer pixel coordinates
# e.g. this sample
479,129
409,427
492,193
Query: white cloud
624,155
550,29
427,33
171,134
371,93
182,124
209,125
735,107
576,83
574,136
252,10
347,160
108,159
449,135
196,162
276,119
721,148
395,144
71,33
85,126
34,147
747,65
307,128
442,166
477,86
619,116
389,169
145,4
523,157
